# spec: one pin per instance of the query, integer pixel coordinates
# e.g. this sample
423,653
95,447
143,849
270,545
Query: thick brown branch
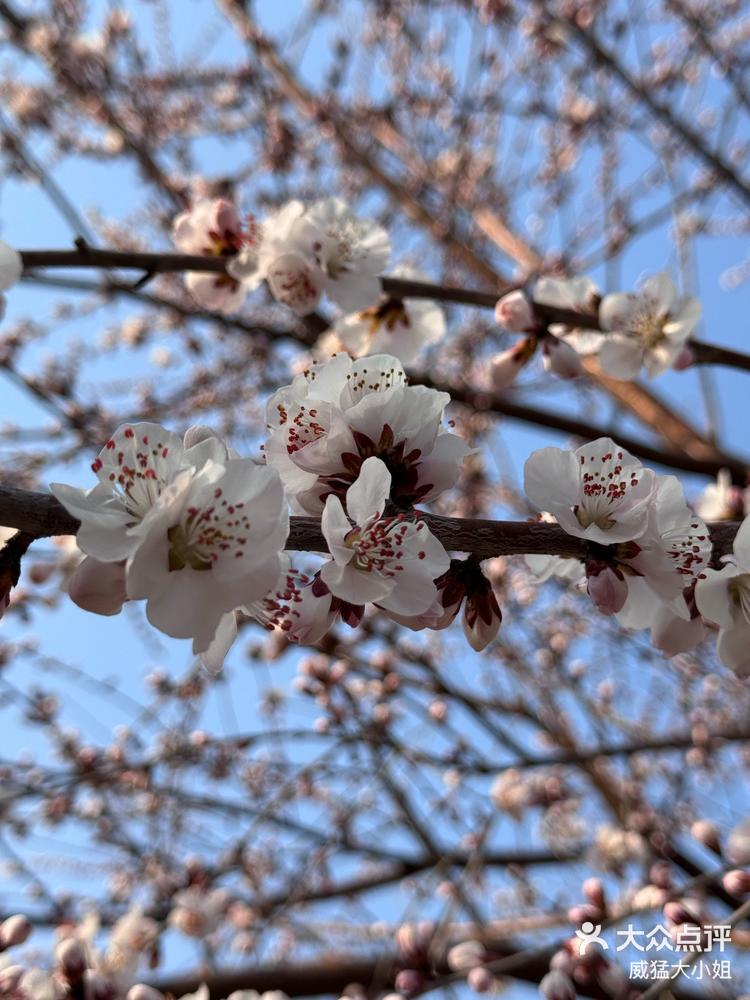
41,515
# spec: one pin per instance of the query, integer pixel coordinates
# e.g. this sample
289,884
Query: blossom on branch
648,328
277,256
514,312
390,561
303,252
185,525
350,252
399,327
646,547
335,415
723,597
598,492
212,228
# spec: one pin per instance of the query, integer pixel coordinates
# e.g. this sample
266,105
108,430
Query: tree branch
41,515
171,263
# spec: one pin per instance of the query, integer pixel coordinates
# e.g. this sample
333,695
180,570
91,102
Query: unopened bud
15,930
480,980
143,992
737,882
707,833
593,891
409,981
515,312
70,956
738,843
466,955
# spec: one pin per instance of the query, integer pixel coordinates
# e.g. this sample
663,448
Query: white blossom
578,295
648,328
211,543
391,561
399,327
185,525
277,254
723,597
335,415
514,312
137,463
212,228
350,252
598,492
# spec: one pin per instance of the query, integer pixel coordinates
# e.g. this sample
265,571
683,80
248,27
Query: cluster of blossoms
302,253
199,533
626,331
648,552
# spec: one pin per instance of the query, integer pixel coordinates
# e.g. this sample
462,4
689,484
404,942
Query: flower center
390,313
377,546
220,530
181,552
649,327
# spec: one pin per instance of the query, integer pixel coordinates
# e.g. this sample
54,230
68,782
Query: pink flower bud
409,981
515,312
480,980
682,911
580,914
14,930
70,957
482,615
466,955
606,586
557,986
559,357
593,891
737,882
142,992
707,833
505,366
98,586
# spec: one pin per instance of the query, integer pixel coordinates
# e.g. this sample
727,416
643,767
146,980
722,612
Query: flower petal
366,497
